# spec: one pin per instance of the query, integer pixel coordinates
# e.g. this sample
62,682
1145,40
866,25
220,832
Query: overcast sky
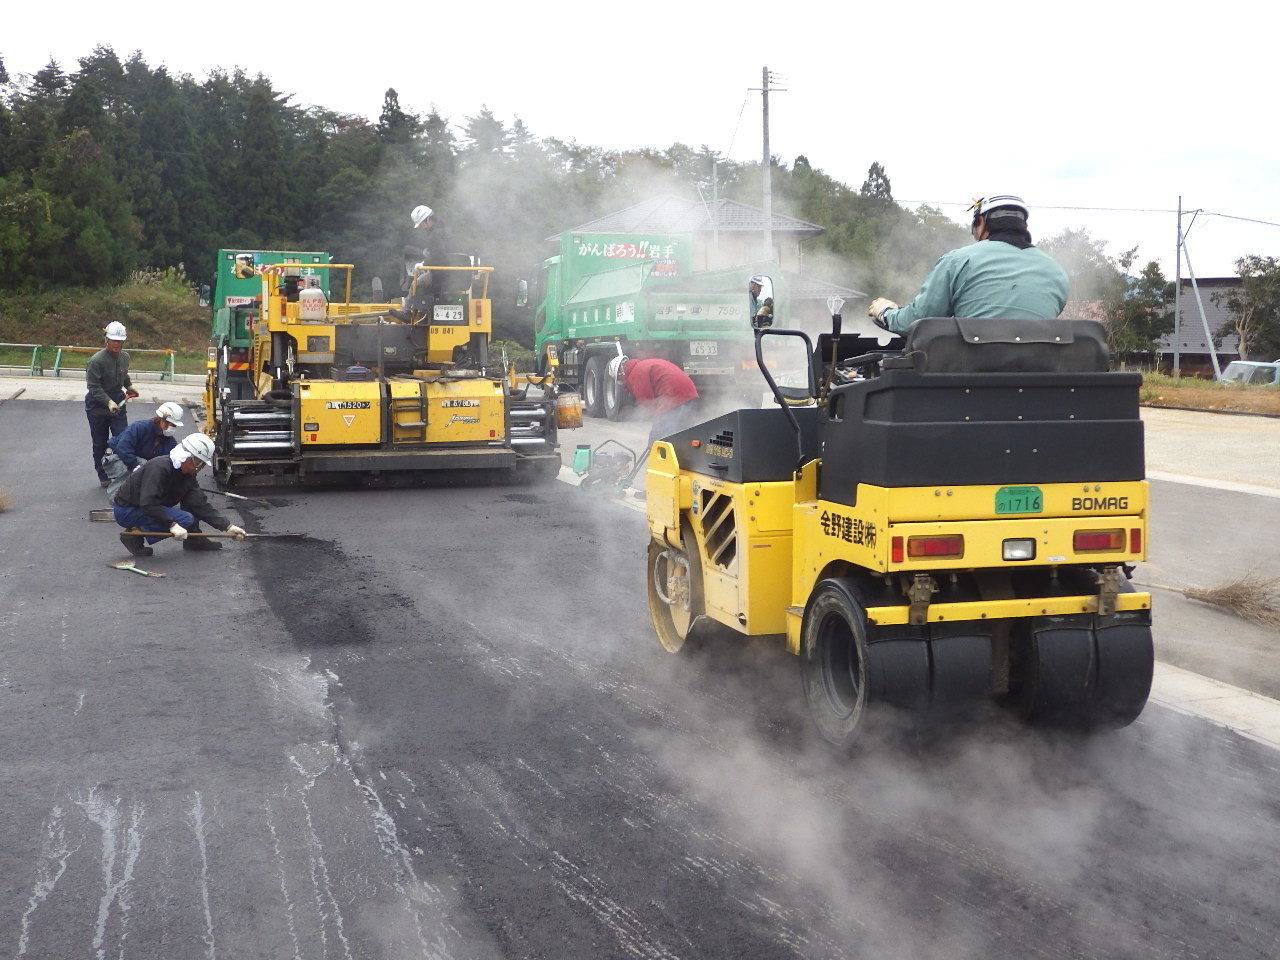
1092,105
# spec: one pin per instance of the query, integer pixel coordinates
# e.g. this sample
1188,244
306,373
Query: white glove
113,407
179,532
237,532
139,465
879,307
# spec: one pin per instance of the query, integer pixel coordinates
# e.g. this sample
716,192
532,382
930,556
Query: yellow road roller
946,521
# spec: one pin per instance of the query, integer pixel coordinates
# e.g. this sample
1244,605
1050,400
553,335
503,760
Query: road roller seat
977,402
956,345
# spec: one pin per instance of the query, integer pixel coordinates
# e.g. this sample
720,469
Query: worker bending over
107,378
139,442
163,496
1002,276
662,390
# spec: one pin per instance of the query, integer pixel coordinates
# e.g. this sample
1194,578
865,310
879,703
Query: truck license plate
703,348
1019,500
448,314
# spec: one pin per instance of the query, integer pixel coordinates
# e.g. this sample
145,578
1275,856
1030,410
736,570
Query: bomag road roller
930,527
307,389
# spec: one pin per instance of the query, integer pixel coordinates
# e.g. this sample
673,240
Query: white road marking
54,854
106,815
1229,485
196,820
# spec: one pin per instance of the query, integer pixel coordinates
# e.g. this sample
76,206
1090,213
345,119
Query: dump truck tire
593,376
834,663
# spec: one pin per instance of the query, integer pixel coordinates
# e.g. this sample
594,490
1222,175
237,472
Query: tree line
117,166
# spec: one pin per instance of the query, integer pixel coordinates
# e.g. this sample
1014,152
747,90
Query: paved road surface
443,728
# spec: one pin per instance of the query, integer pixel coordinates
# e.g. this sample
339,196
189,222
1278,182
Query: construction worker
138,443
661,389
163,496
107,376
1002,276
418,285
761,302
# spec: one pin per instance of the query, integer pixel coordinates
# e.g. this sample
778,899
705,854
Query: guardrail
166,371
35,367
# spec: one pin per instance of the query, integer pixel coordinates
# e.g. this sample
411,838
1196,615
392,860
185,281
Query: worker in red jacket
661,389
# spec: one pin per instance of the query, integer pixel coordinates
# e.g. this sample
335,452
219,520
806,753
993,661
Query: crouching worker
163,497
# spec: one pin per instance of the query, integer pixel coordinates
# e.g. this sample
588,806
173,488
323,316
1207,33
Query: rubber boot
134,543
200,543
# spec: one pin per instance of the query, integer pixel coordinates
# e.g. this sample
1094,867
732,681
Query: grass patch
1159,390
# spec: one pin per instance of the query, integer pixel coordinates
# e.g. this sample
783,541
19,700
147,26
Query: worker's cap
199,446
1000,205
421,213
115,331
758,281
171,412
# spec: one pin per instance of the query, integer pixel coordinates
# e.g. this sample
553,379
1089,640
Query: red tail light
1098,541
896,554
1135,540
936,548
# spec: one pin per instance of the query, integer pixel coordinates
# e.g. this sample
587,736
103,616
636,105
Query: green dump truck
604,291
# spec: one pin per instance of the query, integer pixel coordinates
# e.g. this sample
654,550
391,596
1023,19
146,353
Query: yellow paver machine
949,522
303,388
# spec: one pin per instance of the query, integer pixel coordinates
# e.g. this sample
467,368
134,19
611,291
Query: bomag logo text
1099,503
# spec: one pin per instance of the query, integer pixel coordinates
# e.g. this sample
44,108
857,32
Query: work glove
113,407
179,532
237,532
130,394
879,307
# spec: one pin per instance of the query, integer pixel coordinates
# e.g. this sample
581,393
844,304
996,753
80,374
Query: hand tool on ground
128,565
236,496
13,396
221,536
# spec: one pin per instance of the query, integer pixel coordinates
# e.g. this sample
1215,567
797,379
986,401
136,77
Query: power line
1043,206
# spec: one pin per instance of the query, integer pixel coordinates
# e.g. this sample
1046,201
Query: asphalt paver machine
947,523
304,387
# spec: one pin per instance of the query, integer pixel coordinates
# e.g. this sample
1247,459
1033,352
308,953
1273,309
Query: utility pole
766,165
1177,302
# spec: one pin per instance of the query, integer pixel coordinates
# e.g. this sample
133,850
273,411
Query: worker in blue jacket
144,439
139,442
1002,276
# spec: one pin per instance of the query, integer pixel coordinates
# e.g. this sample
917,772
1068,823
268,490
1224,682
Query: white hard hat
615,366
170,411
115,331
984,205
198,446
420,213
758,281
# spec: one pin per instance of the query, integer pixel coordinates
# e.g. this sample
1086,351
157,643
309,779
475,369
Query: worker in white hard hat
164,497
139,442
428,248
107,377
760,291
1001,276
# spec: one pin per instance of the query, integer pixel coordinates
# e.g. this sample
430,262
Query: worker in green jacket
1002,276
